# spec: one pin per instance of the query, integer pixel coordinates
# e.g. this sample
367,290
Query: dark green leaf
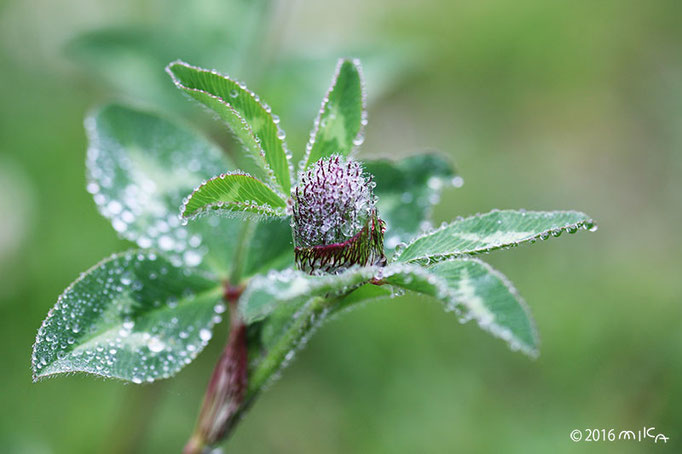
270,248
406,192
134,316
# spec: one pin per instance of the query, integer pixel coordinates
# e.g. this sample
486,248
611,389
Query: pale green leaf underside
265,294
140,167
494,230
363,294
302,289
134,316
235,193
476,291
407,190
248,118
338,127
290,301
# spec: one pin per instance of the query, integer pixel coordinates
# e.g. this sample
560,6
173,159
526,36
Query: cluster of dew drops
85,332
131,198
588,225
454,299
247,126
323,117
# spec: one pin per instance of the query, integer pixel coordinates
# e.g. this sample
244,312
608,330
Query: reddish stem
227,387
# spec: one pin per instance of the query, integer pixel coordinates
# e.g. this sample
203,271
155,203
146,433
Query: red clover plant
290,251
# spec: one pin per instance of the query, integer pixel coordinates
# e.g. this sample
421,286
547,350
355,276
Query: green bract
144,314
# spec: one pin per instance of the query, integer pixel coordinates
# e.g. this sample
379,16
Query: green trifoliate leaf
490,231
277,289
236,193
249,119
338,129
407,190
475,291
139,168
134,316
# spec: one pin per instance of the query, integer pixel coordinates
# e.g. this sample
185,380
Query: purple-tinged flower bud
334,218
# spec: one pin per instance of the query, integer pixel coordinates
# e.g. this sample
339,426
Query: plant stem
243,241
227,386
239,393
276,357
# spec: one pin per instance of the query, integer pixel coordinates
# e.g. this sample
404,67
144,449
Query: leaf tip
170,70
533,352
354,61
178,62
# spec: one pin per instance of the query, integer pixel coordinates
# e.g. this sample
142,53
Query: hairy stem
242,391
276,358
227,387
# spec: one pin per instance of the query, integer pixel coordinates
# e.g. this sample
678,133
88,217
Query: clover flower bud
334,218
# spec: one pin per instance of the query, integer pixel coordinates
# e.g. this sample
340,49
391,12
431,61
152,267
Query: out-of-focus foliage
539,104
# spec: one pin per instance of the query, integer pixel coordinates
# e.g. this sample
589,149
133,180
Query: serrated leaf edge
453,302
255,208
267,110
545,234
83,275
304,164
240,210
315,282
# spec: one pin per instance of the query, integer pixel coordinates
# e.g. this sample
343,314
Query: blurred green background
541,104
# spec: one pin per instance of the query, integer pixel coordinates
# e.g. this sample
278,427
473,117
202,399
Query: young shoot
143,314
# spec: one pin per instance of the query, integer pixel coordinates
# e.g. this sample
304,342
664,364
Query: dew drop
192,258
155,345
205,334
